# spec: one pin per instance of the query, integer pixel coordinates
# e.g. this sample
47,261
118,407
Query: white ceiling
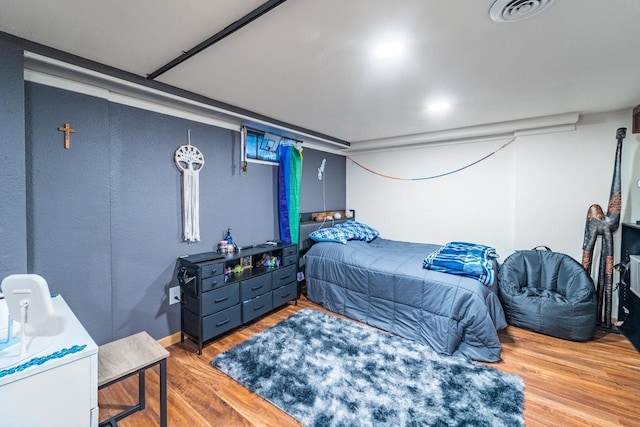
309,62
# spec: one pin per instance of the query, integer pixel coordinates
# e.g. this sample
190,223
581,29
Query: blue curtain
289,181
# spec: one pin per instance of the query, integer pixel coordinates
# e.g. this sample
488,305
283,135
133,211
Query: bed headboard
312,221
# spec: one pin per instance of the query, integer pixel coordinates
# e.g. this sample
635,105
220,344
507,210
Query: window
262,146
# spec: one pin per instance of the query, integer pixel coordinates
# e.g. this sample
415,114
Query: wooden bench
128,356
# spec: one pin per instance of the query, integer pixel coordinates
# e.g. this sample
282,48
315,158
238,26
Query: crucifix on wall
67,130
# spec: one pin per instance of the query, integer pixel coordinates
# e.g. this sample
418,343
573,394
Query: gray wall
68,202
102,221
13,220
105,221
333,179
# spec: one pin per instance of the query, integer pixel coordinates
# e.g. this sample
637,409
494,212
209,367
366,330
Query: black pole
248,18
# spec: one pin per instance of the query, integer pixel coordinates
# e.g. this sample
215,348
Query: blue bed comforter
383,283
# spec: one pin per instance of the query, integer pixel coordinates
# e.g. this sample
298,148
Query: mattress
383,284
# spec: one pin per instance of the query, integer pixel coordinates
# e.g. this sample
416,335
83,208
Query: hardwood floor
566,383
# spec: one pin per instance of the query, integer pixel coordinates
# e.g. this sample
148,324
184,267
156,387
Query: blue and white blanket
464,259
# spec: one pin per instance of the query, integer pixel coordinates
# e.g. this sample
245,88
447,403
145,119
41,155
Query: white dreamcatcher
190,161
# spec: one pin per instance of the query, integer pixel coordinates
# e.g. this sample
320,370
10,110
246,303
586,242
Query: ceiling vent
516,10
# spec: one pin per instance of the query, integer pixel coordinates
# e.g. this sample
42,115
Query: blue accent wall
68,202
105,216
102,221
13,220
146,209
334,178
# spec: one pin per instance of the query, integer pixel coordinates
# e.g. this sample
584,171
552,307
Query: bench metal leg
141,390
113,421
163,393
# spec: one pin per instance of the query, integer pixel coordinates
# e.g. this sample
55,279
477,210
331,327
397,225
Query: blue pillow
331,234
359,230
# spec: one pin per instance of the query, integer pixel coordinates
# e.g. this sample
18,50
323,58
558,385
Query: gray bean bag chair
548,292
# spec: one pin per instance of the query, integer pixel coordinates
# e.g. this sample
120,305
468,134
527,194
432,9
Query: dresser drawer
282,276
211,269
212,282
256,307
221,322
220,298
284,294
289,260
289,250
255,286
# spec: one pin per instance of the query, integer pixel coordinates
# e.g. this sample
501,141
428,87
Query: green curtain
289,182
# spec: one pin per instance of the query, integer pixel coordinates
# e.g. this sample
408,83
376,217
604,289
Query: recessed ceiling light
389,50
437,107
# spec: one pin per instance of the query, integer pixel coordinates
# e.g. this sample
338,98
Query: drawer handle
287,277
255,288
258,308
220,299
285,296
222,323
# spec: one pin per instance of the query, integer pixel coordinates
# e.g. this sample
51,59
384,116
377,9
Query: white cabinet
62,391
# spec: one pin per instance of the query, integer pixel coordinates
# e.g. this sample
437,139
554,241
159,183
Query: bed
383,283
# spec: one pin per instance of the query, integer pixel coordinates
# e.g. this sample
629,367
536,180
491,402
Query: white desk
62,391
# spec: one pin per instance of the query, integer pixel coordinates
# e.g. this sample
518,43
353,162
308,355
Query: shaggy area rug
327,371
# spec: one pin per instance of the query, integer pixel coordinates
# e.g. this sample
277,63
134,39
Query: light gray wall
13,220
536,191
